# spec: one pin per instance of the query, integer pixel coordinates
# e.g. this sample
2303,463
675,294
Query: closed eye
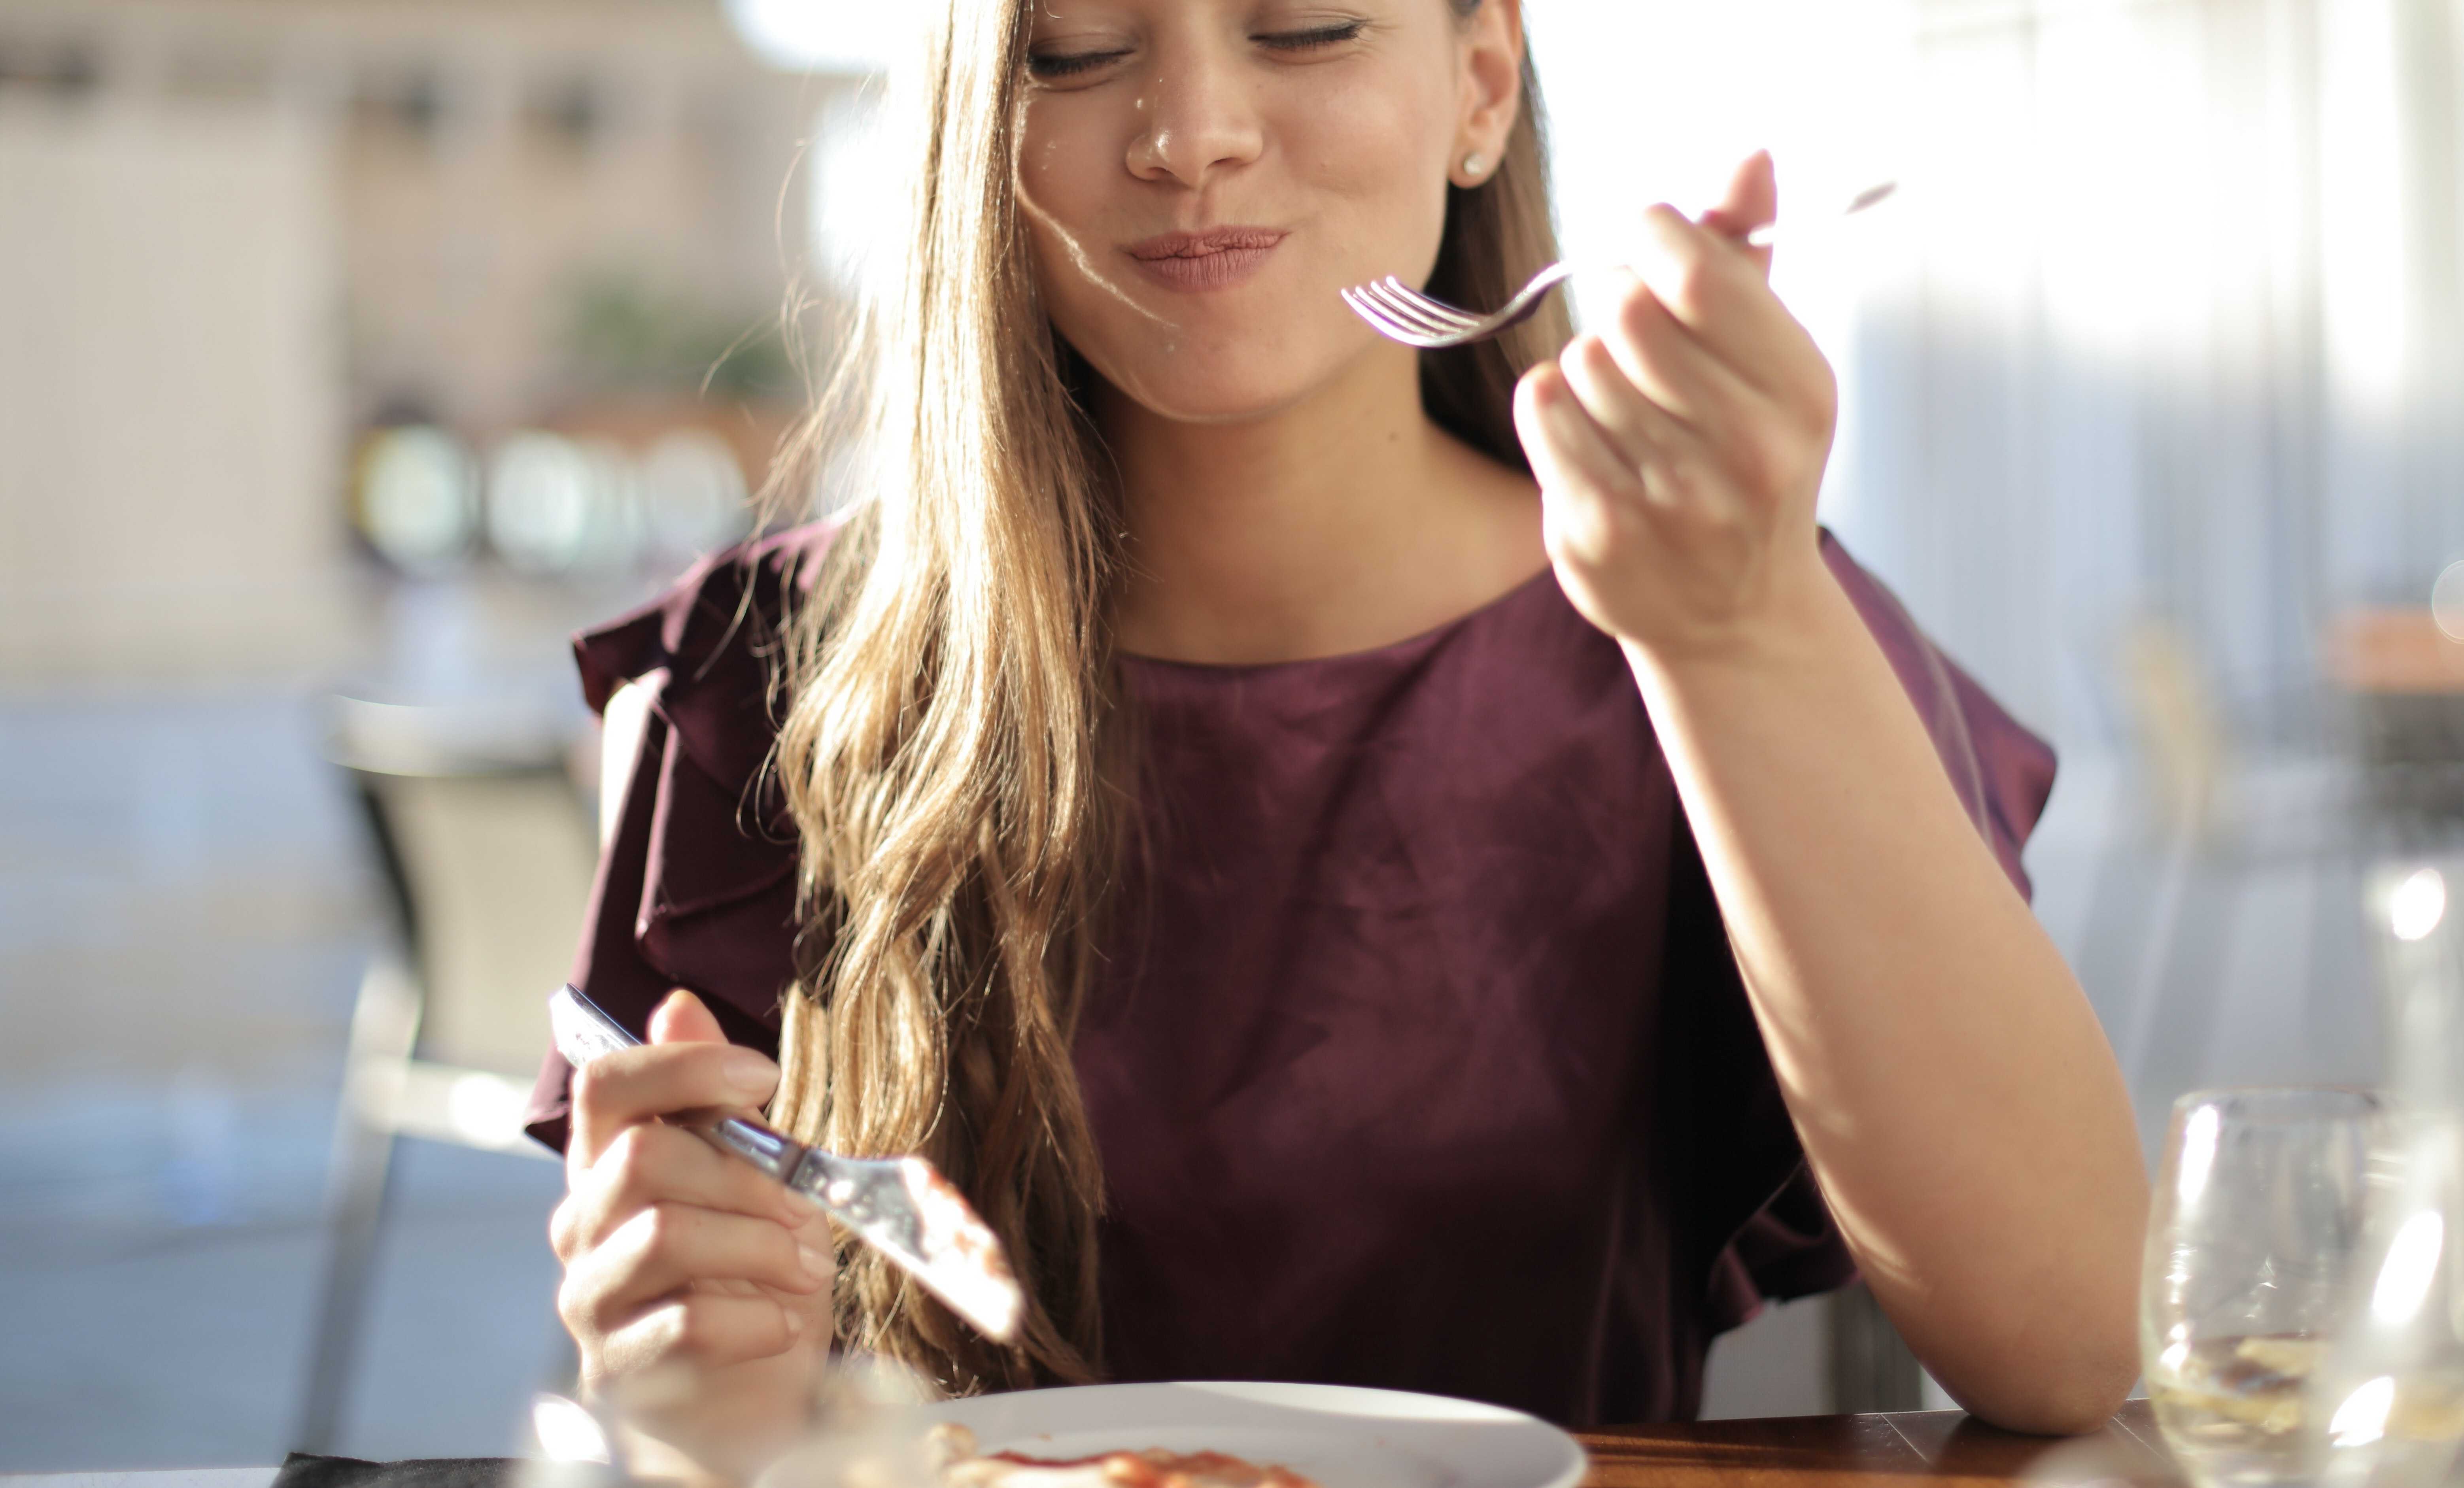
1053,66
1048,66
1313,38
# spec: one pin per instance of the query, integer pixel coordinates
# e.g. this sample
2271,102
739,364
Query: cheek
1373,157
1067,186
1060,182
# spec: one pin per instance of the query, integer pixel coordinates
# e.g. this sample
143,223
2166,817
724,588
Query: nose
1197,117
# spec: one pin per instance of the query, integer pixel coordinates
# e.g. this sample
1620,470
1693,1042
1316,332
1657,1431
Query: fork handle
1771,233
585,1032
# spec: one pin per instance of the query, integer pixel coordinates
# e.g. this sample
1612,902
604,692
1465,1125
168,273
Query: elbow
2072,1409
2051,1353
2044,1395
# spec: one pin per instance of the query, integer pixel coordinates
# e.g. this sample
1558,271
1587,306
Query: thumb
1753,201
681,1018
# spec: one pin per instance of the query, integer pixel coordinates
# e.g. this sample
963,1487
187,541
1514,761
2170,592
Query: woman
1394,868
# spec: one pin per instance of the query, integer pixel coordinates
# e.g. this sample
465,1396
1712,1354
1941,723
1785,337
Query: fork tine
1417,312
1435,306
1389,323
1389,308
1404,324
1380,320
1433,312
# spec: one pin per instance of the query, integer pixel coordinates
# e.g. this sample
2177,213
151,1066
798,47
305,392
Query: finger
680,1018
669,1247
707,1329
1753,201
1717,294
1674,456
618,1090
1584,482
1635,424
1668,364
1591,496
650,1163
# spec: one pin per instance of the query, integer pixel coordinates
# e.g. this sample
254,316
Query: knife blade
901,1206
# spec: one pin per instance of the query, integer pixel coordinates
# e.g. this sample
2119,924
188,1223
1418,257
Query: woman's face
1201,177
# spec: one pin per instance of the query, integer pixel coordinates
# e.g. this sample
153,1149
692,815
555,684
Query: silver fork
1398,312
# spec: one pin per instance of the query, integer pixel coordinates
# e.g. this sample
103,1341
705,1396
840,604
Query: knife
901,1206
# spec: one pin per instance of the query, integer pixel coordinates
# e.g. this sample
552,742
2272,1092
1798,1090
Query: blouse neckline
1393,650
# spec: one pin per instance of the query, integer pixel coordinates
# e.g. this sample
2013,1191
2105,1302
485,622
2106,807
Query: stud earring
1475,164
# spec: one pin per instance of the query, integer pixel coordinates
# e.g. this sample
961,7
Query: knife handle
585,1032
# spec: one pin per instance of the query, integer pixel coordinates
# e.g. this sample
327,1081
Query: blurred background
353,352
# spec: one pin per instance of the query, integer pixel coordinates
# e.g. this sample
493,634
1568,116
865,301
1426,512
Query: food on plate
963,1466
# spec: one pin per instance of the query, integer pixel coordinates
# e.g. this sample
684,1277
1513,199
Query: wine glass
2258,1214
864,1428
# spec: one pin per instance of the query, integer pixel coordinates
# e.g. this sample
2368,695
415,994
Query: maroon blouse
1423,1061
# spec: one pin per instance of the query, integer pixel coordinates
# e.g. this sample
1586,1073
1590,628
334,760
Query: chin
1213,399
1223,381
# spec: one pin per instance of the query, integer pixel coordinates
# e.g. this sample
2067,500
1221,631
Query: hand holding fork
1680,447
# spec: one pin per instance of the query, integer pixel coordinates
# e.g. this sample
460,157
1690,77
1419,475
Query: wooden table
1933,1447
2394,652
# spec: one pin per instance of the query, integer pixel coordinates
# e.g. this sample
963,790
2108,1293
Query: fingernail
795,1322
816,1264
1560,414
747,1069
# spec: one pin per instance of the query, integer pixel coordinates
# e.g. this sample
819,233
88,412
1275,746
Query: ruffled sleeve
2003,772
698,885
1735,1147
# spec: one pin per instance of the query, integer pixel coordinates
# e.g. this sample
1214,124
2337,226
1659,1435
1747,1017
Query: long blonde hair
951,747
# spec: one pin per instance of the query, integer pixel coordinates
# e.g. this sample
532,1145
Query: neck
1343,521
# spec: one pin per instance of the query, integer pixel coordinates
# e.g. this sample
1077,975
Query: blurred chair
2206,809
486,848
2178,728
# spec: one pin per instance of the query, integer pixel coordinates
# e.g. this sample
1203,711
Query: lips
1217,258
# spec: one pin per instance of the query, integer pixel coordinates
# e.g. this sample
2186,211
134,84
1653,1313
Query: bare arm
1954,1094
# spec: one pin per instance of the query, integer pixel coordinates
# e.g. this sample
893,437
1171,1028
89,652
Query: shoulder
709,648
729,601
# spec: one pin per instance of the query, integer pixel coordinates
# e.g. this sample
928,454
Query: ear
1492,89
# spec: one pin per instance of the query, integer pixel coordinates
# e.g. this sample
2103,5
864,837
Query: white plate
1340,1436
